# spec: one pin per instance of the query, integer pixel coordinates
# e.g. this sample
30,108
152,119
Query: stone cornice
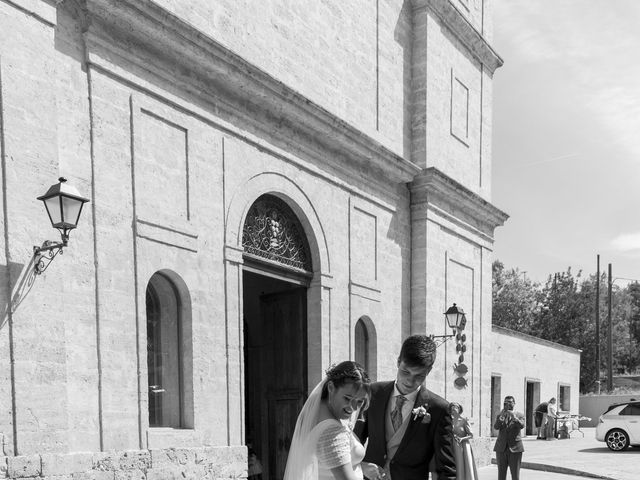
434,189
464,31
238,87
42,10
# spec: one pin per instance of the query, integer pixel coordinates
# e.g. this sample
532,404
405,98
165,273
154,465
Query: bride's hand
373,471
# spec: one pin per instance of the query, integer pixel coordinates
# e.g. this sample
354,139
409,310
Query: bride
323,446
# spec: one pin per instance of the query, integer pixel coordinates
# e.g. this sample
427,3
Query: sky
566,136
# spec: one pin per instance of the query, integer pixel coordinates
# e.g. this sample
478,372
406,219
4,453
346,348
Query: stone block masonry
218,463
175,117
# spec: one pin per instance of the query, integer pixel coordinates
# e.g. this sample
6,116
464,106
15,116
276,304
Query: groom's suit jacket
421,442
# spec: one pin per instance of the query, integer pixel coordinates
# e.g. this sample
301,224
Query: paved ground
571,459
491,473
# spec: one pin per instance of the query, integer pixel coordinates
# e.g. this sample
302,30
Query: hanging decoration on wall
460,368
272,231
460,382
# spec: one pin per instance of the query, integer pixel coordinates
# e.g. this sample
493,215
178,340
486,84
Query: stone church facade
274,187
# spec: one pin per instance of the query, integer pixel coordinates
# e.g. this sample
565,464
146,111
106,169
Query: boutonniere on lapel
422,413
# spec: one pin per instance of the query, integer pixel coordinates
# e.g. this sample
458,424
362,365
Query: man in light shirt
552,414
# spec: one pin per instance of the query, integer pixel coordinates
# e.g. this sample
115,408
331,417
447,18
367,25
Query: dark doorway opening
532,401
496,405
275,350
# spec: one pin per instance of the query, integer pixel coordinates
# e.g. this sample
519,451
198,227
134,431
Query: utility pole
598,326
609,340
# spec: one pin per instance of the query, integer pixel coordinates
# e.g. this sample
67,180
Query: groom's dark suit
421,441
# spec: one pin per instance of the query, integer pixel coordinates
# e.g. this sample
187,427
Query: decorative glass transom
272,231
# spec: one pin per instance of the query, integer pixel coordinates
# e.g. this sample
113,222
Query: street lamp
64,205
456,319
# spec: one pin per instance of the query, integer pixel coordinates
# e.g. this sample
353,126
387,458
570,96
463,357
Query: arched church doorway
276,274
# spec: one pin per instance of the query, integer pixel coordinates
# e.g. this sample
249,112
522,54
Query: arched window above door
272,232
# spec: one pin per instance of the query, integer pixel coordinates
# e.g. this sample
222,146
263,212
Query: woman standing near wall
465,462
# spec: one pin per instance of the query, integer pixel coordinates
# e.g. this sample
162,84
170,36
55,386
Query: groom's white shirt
394,438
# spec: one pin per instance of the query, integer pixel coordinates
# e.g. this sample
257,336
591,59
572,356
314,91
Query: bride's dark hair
346,372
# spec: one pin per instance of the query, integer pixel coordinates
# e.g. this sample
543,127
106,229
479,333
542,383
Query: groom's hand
372,471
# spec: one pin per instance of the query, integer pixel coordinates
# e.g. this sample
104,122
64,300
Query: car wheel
617,440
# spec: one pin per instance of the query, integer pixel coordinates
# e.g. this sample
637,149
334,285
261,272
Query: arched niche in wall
169,351
366,345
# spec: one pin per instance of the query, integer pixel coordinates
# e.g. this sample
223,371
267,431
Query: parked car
619,426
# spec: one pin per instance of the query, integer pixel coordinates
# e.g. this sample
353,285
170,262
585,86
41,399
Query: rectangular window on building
564,398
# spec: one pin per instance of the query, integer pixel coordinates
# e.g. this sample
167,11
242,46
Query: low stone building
274,186
533,371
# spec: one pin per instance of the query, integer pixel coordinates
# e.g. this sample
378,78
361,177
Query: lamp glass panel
53,208
71,208
452,319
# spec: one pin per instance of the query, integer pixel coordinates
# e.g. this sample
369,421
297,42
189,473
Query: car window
611,407
631,409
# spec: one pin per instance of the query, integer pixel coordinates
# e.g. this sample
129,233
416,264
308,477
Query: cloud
569,86
626,242
593,48
618,107
553,159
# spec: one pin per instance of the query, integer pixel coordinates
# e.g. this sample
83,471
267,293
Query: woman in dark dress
465,463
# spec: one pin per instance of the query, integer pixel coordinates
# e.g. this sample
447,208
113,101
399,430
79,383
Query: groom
406,424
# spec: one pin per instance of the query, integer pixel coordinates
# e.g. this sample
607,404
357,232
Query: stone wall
174,117
482,450
170,178
458,94
43,384
167,464
349,57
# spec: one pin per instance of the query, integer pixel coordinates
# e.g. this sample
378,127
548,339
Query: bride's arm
344,472
334,452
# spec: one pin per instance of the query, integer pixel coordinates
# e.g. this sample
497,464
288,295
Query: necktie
396,414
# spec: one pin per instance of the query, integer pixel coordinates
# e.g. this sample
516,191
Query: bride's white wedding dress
317,447
337,445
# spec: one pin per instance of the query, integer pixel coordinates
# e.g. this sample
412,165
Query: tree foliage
563,311
514,298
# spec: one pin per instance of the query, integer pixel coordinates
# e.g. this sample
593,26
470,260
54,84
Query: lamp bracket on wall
441,339
45,254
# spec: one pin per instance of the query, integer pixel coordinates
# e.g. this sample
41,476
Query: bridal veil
302,463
